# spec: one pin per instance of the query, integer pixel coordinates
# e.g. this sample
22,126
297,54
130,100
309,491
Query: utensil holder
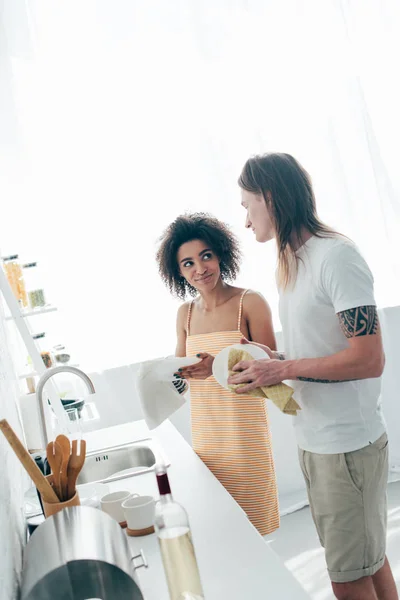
50,509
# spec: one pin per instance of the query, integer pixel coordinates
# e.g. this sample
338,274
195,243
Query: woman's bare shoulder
182,314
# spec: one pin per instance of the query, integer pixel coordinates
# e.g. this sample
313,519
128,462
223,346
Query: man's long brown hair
287,190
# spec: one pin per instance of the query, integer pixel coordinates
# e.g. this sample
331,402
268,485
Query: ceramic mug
112,505
139,514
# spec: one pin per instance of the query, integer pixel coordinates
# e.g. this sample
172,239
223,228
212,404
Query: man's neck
297,241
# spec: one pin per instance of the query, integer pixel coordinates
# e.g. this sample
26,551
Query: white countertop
235,562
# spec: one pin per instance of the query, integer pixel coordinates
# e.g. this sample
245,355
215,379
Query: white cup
139,514
112,504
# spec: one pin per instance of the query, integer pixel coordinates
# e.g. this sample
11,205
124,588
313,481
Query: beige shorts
347,494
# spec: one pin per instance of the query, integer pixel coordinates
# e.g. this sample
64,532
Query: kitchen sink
121,462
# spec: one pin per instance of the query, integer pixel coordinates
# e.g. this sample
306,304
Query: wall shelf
32,313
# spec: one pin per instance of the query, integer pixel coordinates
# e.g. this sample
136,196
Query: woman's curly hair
196,226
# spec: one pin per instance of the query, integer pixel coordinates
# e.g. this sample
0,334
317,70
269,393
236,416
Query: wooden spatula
76,462
44,487
55,457
65,446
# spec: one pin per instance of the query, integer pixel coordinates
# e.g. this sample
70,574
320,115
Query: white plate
89,494
220,364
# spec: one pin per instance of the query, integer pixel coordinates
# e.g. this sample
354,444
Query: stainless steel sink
121,462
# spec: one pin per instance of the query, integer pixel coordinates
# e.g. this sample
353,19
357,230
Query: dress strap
241,309
188,318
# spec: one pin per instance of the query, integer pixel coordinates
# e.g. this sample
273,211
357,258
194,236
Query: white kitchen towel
160,394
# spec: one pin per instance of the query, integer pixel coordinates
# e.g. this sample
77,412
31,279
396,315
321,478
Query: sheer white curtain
118,116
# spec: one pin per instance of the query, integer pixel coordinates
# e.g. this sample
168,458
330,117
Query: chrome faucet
39,391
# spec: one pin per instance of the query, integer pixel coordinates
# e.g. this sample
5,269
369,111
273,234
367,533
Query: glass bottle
172,527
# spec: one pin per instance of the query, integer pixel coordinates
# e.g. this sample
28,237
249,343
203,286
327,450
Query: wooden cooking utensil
75,465
65,446
55,457
29,465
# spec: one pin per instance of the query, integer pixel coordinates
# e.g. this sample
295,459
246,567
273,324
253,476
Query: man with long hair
334,357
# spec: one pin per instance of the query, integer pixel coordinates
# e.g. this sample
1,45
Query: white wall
390,321
13,482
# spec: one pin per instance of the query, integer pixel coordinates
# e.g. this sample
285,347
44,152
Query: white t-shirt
332,277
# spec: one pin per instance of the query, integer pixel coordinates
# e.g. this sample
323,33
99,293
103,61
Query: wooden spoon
75,465
65,446
55,458
29,465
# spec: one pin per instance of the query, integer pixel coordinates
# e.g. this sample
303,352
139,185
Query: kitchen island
235,562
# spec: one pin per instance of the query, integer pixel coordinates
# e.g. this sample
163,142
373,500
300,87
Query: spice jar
45,354
15,278
33,286
46,357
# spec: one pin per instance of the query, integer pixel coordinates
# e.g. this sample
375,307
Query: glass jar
15,278
33,285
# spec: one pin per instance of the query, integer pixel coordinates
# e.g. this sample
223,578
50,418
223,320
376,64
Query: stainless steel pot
77,554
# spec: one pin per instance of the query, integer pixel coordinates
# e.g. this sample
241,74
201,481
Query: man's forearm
360,326
342,366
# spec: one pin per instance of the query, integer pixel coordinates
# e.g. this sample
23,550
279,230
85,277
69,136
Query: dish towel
281,394
159,394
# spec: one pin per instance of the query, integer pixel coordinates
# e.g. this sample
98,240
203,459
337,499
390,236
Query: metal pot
79,553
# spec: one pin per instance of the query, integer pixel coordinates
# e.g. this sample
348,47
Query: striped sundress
231,435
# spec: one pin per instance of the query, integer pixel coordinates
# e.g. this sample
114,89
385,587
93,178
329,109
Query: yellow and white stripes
231,435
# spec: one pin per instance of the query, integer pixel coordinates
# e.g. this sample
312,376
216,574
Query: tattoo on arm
359,321
279,356
354,322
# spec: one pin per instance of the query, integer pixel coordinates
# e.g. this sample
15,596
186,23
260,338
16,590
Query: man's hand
201,370
257,373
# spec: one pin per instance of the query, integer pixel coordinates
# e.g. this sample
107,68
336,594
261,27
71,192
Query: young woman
198,255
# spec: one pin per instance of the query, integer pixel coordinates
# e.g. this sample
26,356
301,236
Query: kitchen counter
235,562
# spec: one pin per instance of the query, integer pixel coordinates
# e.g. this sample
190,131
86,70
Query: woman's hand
201,370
